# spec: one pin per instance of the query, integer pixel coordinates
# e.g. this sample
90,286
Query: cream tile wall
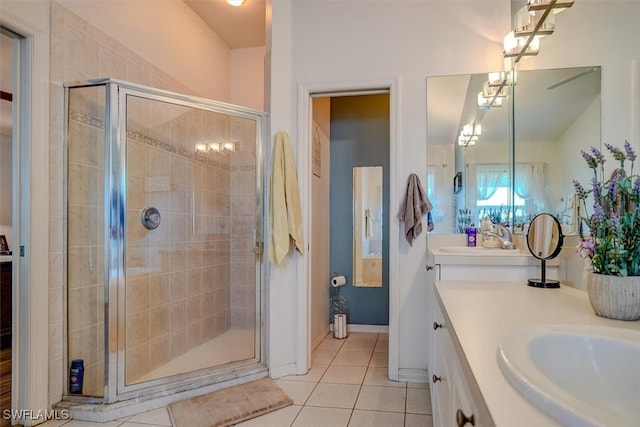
244,211
208,269
85,292
178,291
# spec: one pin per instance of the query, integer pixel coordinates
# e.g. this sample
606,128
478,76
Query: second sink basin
580,375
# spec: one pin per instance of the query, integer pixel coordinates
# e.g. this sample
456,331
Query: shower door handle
257,244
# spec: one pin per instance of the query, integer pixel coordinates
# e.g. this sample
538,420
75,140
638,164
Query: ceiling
239,27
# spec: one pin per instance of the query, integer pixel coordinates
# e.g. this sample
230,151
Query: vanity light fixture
229,146
501,78
471,129
500,91
527,21
466,141
236,3
556,5
531,24
215,147
469,134
520,46
488,103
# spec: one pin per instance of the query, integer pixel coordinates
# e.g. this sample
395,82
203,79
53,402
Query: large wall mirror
367,226
520,158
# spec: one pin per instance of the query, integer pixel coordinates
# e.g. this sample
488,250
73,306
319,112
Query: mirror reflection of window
493,192
367,226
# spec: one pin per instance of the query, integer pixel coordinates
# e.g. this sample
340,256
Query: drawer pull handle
435,379
437,325
429,267
462,419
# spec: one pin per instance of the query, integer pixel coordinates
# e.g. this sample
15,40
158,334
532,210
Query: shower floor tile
232,346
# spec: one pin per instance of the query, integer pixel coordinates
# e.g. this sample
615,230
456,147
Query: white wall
247,77
168,34
401,40
441,157
583,133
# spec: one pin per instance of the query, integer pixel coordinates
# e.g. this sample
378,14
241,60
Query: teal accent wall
359,137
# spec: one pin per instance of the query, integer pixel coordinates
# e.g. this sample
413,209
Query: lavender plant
613,243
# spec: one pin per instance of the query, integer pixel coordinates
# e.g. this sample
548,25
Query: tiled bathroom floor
346,386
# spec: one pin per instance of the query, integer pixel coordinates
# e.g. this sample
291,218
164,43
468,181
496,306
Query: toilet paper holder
338,280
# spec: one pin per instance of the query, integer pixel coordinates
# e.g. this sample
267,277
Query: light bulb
236,3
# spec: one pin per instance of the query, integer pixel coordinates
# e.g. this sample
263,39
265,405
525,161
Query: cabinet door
440,383
464,409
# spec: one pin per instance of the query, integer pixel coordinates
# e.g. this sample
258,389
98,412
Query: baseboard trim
369,329
316,341
413,375
282,370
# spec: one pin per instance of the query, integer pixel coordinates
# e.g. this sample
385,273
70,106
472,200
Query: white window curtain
529,185
489,178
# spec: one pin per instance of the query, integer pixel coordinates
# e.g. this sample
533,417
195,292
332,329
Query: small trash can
340,326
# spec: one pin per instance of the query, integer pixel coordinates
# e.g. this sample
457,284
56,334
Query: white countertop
481,313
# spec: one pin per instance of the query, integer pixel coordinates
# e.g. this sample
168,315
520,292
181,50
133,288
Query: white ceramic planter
614,297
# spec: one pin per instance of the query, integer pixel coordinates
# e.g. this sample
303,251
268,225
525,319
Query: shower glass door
163,236
192,211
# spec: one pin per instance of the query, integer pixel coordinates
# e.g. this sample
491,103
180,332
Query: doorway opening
350,134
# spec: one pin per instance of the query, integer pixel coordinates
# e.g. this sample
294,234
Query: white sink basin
580,375
479,251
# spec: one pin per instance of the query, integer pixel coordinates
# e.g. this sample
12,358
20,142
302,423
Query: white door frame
305,157
30,357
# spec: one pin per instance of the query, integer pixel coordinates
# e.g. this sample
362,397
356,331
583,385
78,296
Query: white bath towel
285,215
413,207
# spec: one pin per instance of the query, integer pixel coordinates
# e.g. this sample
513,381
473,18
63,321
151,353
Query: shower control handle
150,218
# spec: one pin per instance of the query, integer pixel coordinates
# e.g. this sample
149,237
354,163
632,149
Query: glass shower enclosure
164,221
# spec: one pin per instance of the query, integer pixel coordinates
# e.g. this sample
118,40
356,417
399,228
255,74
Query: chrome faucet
503,235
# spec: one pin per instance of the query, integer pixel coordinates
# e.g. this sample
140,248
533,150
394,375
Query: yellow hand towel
284,207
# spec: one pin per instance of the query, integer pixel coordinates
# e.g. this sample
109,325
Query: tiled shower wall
85,235
178,274
79,52
244,211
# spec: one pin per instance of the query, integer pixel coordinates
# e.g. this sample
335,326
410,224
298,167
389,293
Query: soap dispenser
471,236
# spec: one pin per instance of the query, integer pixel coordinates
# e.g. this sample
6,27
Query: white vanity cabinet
510,266
455,399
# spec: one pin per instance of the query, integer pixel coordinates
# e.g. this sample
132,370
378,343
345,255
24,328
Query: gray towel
413,207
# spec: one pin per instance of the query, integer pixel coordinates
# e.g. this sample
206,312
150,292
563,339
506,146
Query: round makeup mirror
544,240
